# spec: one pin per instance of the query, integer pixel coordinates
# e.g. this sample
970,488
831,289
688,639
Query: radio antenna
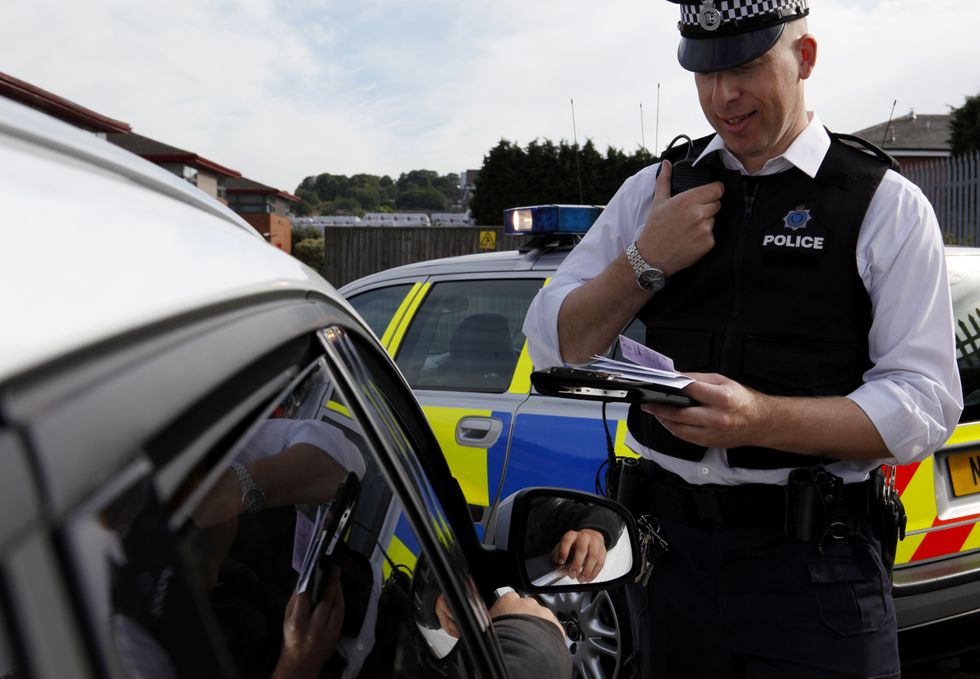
656,137
578,169
884,135
643,136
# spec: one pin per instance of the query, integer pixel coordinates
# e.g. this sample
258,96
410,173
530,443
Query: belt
647,488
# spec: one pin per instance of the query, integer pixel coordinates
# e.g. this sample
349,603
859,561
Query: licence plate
964,472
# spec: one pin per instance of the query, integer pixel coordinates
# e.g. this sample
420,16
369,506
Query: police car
454,328
194,426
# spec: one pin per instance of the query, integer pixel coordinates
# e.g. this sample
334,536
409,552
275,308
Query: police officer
802,283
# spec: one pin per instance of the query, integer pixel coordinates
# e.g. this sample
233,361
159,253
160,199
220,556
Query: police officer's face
758,108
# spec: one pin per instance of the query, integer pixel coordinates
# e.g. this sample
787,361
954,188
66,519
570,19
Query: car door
146,448
458,340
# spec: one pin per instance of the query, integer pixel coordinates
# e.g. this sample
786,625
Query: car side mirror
531,523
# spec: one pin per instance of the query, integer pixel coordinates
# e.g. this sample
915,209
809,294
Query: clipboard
596,385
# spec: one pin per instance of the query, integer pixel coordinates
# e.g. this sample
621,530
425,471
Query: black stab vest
777,304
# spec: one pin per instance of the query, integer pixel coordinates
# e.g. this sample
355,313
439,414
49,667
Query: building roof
912,133
58,107
158,152
244,186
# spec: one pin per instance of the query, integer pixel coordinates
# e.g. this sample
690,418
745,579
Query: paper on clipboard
314,546
645,365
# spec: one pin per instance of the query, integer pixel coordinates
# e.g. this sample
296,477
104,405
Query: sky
283,89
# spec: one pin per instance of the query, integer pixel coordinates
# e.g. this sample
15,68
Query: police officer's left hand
728,415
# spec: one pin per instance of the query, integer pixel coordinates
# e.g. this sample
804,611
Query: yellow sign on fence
488,240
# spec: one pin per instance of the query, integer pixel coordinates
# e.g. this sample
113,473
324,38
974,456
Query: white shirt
912,393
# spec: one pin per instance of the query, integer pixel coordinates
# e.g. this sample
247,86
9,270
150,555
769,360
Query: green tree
421,198
499,184
310,252
304,233
965,126
546,172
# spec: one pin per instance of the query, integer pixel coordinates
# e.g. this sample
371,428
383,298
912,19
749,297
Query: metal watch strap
648,277
252,496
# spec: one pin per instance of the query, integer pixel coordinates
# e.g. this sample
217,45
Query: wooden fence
952,185
351,252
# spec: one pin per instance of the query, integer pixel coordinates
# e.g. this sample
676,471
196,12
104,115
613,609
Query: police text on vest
793,241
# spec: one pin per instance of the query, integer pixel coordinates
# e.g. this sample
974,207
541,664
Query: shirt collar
806,152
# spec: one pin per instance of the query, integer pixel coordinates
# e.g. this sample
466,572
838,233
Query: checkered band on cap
740,10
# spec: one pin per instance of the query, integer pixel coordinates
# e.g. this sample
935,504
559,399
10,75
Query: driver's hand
445,616
512,603
582,553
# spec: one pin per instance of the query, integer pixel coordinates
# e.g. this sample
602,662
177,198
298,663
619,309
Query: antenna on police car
656,134
578,169
643,136
884,135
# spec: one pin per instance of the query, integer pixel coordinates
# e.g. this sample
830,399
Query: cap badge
797,219
709,18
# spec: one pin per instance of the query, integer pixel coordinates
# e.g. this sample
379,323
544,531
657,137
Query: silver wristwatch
648,277
253,498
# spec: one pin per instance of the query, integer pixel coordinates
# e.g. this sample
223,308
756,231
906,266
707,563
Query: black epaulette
865,146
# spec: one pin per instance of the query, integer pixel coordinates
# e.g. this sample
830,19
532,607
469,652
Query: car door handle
478,432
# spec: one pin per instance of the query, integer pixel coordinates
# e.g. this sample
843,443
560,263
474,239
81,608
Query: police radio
684,173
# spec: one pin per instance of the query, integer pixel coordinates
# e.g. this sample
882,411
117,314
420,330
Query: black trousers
751,603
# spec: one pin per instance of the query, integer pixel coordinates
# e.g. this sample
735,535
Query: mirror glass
574,541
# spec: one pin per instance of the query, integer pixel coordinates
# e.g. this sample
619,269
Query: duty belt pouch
813,502
632,487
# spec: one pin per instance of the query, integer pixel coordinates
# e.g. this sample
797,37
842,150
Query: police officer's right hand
679,229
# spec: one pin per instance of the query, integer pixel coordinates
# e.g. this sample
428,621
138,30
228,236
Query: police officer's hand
582,553
679,229
728,415
309,637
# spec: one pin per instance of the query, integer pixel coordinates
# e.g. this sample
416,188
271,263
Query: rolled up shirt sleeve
912,394
612,233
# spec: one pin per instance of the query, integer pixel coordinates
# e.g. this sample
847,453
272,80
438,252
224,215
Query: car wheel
598,628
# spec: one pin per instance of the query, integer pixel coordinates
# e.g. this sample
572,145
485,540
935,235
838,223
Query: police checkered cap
721,34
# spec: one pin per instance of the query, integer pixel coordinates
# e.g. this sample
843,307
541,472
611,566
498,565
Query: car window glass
202,583
8,664
964,279
378,306
467,335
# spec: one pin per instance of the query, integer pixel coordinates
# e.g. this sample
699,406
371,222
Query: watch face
651,280
253,500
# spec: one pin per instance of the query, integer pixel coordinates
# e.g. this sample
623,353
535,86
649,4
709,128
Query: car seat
480,353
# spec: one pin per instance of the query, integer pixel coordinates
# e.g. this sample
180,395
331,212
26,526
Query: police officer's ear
806,49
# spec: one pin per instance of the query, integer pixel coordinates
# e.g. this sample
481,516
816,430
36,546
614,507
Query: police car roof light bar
537,220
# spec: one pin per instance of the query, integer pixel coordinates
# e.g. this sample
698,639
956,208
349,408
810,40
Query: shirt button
705,471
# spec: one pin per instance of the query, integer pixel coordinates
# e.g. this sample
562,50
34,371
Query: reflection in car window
378,306
203,583
467,335
8,664
964,280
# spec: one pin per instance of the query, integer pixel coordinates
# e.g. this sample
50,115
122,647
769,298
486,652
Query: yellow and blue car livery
500,440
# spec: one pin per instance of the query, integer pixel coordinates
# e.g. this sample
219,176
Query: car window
378,306
199,579
467,335
8,664
964,279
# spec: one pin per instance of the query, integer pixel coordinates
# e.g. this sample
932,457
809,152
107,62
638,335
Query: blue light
537,220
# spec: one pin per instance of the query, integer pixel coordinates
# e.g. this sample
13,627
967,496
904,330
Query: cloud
283,89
